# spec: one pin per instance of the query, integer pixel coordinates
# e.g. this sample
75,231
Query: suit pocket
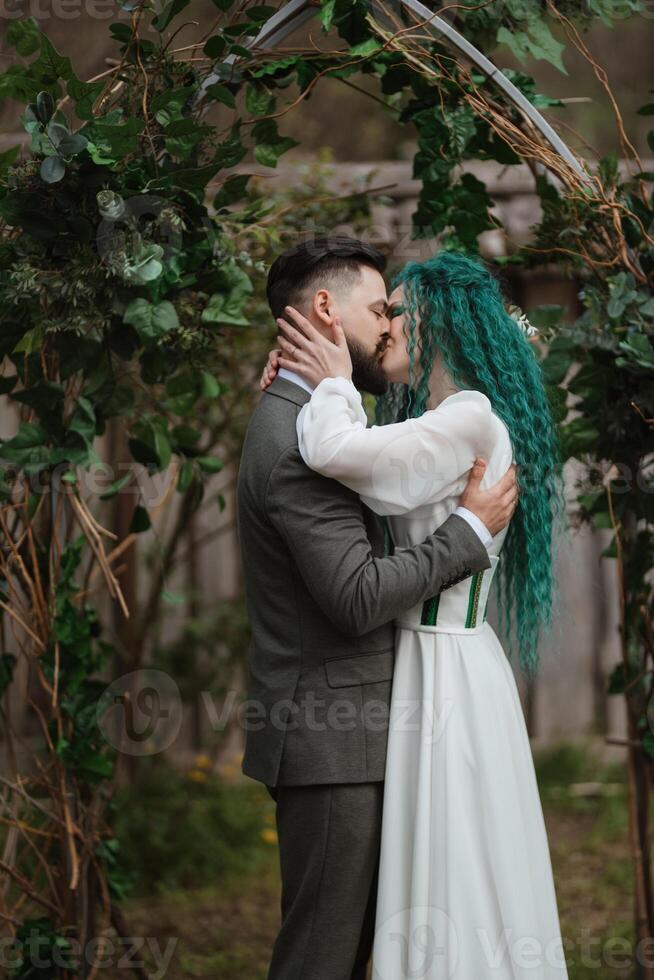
364,668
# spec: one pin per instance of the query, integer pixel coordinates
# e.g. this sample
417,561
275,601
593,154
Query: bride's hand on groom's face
307,351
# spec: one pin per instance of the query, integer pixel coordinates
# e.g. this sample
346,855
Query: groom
321,597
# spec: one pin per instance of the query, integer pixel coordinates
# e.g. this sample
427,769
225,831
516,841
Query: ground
226,933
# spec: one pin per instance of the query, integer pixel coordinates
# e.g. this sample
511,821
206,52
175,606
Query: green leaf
28,446
83,96
24,36
215,48
222,94
185,437
143,452
185,476
269,144
517,41
51,66
109,142
72,144
210,464
277,67
232,190
543,44
220,309
116,487
30,341
83,420
211,387
260,13
167,106
162,447
140,521
601,521
151,321
227,306
327,11
547,315
537,41
640,349
579,436
45,107
365,48
53,169
144,264
170,10
557,363
258,101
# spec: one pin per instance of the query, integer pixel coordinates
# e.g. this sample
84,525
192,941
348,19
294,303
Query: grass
225,932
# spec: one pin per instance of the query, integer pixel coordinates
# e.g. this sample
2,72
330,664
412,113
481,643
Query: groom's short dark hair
323,260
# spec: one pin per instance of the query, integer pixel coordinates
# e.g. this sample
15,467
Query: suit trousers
329,843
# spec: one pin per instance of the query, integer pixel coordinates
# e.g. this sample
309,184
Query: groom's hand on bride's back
494,506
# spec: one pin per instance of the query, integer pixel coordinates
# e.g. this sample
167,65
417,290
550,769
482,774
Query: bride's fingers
286,345
306,326
290,365
339,334
295,336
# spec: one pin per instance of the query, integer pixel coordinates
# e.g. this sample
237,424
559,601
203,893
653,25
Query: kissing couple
389,729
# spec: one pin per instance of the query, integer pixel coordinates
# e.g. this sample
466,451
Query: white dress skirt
466,890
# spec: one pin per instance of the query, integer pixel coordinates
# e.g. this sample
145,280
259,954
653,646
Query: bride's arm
398,467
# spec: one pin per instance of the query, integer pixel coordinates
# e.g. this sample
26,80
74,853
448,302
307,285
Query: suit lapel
281,388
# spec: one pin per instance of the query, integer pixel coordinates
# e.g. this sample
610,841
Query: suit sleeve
399,467
322,523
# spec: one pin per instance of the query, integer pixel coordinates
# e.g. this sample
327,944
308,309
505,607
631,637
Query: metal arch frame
298,12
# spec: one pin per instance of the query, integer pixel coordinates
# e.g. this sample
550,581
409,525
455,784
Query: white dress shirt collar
295,378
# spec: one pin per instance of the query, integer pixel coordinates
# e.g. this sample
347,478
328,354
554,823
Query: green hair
462,316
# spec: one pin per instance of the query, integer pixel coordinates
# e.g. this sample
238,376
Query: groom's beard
367,374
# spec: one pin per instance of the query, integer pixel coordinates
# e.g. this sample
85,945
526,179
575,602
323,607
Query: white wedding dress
466,890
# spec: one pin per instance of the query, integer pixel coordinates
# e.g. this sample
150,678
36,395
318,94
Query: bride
466,890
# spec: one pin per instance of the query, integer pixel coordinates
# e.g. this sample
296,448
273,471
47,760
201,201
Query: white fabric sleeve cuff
476,524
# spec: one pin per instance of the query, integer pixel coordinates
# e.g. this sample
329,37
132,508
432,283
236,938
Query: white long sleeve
402,466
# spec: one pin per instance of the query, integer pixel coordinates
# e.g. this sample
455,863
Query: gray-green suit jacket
321,598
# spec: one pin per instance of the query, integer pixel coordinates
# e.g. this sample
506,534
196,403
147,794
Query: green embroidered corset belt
460,609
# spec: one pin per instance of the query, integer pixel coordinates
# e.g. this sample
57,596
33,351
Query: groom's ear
323,310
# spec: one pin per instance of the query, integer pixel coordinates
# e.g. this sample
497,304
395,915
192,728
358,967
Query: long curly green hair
462,316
